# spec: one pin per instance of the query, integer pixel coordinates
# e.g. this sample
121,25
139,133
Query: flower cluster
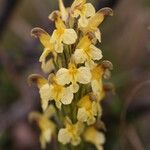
71,94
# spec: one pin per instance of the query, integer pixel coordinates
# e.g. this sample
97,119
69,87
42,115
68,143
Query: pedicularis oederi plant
71,95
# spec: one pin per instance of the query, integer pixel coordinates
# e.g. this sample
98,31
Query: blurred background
125,42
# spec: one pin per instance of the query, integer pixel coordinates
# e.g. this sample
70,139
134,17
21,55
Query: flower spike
72,91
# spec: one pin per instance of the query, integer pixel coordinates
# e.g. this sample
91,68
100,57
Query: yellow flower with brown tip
95,21
45,38
71,133
47,127
82,9
43,86
88,110
52,91
95,137
74,76
61,34
86,51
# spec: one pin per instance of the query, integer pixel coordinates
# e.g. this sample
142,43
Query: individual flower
98,73
71,133
88,110
95,137
86,51
74,76
61,34
95,21
45,38
47,127
52,91
82,9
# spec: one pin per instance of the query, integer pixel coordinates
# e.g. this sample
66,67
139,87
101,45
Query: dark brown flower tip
109,87
91,35
106,11
37,32
37,79
107,65
100,125
54,15
92,96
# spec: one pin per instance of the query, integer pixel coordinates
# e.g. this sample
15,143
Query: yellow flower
88,110
60,93
71,133
95,137
45,38
86,51
52,91
82,9
96,82
61,34
95,21
46,126
73,75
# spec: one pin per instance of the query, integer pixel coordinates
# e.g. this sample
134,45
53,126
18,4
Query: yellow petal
79,127
98,18
56,39
50,111
63,11
79,56
59,23
69,36
97,109
78,3
59,47
45,93
47,135
85,102
84,43
67,96
64,136
47,65
82,115
96,53
74,87
57,92
95,21
83,21
76,140
90,65
44,55
58,104
97,88
62,76
43,36
98,35
90,10
95,137
91,120
84,75
42,142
